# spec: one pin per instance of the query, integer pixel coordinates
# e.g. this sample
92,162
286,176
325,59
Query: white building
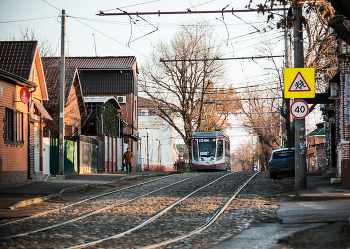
157,138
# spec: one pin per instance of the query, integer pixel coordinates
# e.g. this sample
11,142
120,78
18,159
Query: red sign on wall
24,95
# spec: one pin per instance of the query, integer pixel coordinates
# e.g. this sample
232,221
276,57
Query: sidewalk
26,193
319,205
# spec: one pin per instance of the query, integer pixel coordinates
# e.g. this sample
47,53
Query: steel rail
79,202
203,227
89,214
150,219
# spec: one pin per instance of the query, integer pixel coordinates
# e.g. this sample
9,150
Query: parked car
282,161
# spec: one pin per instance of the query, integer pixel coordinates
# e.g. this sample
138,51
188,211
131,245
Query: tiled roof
118,62
16,78
145,103
52,76
17,57
148,103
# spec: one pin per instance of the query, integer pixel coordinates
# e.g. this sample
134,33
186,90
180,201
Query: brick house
74,106
337,118
344,117
110,77
21,124
316,150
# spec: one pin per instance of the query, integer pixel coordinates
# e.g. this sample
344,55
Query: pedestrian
127,157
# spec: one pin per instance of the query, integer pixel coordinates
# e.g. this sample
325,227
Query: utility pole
289,143
299,124
61,120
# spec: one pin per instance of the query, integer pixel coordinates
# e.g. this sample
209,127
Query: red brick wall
129,109
345,131
13,155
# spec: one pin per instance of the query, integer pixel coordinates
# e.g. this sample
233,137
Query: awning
42,109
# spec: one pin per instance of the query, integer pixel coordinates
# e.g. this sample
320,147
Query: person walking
127,157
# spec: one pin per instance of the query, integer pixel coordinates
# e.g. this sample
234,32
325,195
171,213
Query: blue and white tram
210,150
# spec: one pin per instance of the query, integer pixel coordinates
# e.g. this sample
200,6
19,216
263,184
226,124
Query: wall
161,141
13,155
345,131
72,113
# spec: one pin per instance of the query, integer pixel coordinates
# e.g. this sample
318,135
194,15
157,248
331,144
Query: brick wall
345,131
129,110
13,155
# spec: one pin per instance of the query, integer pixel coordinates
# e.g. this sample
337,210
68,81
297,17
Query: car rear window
283,154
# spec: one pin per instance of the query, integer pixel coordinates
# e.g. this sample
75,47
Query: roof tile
17,57
109,62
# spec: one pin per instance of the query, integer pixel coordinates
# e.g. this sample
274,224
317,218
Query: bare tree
333,13
243,158
182,75
45,46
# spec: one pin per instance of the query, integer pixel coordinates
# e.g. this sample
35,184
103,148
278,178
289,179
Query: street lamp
142,162
159,152
147,131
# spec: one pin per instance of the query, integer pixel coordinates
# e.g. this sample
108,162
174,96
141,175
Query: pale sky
112,33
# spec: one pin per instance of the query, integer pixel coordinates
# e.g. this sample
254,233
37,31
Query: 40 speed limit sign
299,109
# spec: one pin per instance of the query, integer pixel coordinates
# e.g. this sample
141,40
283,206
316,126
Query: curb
32,201
67,190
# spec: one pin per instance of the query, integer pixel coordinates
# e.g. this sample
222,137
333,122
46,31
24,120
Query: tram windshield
207,147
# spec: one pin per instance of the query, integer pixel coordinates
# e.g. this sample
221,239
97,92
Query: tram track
174,212
79,202
100,207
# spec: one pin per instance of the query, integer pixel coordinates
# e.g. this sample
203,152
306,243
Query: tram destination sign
299,83
206,140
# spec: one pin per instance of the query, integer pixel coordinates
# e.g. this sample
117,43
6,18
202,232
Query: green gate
53,156
70,157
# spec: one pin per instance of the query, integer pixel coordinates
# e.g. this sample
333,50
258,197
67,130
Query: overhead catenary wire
188,11
31,19
233,58
215,100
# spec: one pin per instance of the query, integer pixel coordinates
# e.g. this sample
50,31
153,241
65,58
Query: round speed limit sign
299,109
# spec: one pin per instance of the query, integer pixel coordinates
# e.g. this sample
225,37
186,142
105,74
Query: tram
210,150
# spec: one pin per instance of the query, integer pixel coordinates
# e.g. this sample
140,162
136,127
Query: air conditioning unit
334,91
121,99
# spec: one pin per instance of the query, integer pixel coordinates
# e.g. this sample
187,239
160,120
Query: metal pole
95,45
300,148
61,119
147,153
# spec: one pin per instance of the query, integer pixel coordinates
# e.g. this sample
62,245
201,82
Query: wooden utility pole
299,124
61,119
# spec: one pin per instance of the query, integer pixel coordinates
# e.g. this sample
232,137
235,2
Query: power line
132,5
101,13
215,100
220,59
32,19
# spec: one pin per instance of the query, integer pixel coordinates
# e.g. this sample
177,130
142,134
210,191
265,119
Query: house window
9,125
69,130
19,124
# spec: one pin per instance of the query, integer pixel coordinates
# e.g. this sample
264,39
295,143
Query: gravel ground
251,205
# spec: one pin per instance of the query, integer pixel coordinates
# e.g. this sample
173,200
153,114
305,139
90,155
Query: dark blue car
282,161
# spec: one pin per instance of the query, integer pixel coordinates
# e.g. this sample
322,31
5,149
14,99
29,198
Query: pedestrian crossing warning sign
299,83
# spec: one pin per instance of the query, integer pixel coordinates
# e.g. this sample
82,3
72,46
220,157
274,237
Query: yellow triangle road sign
299,83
